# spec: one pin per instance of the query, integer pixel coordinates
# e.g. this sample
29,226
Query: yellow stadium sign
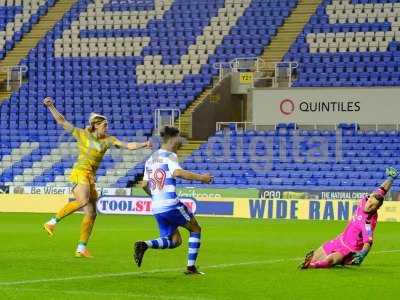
246,78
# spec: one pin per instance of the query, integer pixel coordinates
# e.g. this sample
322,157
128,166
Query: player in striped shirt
161,169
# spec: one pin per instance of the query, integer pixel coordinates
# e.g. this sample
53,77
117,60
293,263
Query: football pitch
242,259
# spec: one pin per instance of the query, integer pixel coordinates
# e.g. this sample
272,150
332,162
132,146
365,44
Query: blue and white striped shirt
159,169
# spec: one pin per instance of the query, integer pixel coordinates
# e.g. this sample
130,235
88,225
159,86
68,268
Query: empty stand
258,159
350,43
119,58
17,18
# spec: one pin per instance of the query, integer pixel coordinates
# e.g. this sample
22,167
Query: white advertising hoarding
326,106
133,205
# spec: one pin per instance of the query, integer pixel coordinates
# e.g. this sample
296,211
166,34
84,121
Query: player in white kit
159,182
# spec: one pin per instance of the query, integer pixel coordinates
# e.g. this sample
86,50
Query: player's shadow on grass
385,268
167,277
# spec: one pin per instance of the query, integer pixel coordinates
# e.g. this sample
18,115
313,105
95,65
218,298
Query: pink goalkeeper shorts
336,246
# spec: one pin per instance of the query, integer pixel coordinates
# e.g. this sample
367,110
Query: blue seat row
344,69
108,85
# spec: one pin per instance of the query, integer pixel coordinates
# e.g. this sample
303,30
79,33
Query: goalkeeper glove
359,257
392,173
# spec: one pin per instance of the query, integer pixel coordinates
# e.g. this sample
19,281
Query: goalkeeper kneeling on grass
352,246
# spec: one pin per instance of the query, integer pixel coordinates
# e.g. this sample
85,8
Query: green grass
243,259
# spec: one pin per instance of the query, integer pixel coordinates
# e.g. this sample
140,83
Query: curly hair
94,120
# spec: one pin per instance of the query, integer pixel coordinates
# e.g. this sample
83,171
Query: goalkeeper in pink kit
352,246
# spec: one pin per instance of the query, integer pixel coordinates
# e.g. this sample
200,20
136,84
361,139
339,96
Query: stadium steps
187,149
289,31
186,118
186,125
4,95
38,31
30,39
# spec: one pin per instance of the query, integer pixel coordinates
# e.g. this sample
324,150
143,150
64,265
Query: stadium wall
32,203
324,106
220,106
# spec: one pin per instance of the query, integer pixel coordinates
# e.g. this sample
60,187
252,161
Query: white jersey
158,172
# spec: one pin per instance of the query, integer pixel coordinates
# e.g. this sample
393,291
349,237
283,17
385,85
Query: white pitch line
107,275
385,251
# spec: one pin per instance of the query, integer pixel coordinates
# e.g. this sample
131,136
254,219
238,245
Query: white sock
52,221
80,248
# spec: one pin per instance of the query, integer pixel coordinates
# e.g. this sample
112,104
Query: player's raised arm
132,146
181,173
177,171
376,198
391,174
49,103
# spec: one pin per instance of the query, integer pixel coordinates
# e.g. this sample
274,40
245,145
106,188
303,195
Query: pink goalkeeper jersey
360,228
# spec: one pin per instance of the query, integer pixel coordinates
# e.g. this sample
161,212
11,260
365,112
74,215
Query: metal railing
239,64
235,126
14,73
166,117
220,126
286,70
276,72
251,64
247,126
225,70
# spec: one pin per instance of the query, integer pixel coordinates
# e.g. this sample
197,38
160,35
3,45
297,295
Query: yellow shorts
85,178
